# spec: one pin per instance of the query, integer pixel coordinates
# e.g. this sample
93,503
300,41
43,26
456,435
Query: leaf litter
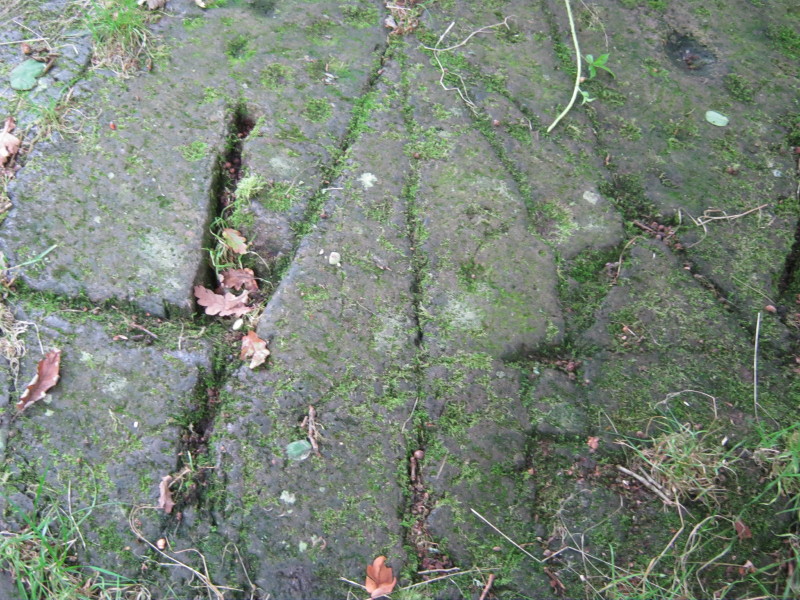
9,147
254,349
380,579
47,375
224,305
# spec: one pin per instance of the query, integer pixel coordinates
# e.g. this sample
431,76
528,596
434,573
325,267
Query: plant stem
577,68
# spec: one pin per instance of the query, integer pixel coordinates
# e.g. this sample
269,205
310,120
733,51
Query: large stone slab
342,334
99,444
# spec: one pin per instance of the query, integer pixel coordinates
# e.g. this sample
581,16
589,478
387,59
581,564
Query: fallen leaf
239,278
235,240
223,305
9,144
742,530
200,3
254,349
747,567
46,377
164,495
379,578
593,442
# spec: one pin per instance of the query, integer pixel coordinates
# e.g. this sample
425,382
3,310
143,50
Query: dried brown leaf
380,580
47,374
254,349
742,530
234,240
240,278
223,305
593,442
164,495
9,144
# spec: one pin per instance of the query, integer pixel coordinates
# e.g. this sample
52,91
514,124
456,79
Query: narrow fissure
420,501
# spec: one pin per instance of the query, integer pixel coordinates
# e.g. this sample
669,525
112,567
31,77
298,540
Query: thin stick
204,578
672,395
515,544
38,39
410,416
487,587
429,571
426,582
755,367
707,218
436,50
646,484
577,68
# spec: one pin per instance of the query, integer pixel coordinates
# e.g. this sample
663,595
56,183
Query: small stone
237,324
334,259
161,543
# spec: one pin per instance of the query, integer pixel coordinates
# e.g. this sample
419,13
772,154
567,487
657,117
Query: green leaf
716,118
299,450
24,75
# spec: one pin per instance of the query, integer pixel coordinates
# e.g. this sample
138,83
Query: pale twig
576,88
443,72
429,571
413,408
707,216
29,40
174,562
622,253
752,289
755,367
675,394
448,576
487,587
515,544
646,484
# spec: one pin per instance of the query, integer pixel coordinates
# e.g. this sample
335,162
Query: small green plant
317,110
42,558
592,64
120,34
194,152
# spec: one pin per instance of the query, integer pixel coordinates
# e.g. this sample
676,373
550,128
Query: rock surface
478,328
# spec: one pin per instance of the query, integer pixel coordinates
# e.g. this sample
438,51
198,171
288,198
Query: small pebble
334,259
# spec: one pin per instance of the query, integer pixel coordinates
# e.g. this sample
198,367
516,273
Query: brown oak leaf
46,377
742,530
254,348
164,495
9,144
223,305
239,278
380,580
234,240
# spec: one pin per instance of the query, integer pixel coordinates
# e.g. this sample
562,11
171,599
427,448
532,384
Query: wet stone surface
478,328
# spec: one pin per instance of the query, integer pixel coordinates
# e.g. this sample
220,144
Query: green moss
281,196
318,110
276,75
785,39
195,151
627,193
360,15
429,144
239,50
739,87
